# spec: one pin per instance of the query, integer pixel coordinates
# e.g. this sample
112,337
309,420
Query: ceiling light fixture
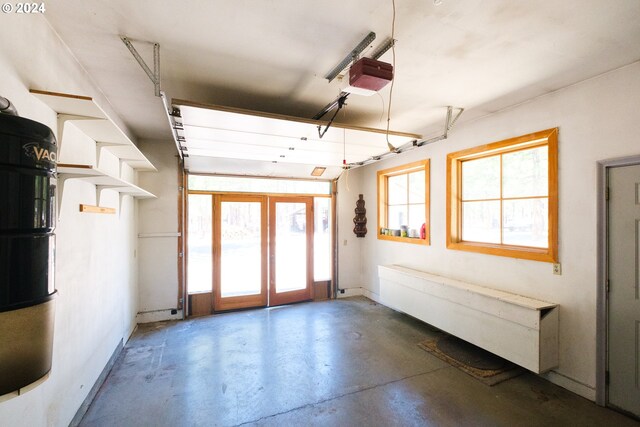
318,171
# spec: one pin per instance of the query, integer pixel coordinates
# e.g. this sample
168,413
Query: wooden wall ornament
360,220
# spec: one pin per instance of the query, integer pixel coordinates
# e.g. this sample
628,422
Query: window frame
548,137
382,202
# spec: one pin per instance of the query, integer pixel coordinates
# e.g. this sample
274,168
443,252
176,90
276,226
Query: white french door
290,249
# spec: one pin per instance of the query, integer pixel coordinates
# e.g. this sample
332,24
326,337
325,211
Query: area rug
480,364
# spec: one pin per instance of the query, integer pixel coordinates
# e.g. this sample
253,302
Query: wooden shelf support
96,209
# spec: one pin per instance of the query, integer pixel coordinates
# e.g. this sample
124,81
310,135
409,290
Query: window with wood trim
403,203
502,198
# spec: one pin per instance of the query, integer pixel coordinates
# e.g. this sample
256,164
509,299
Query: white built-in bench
520,329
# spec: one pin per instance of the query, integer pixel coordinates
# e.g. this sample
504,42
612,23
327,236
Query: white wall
350,246
95,255
598,119
159,255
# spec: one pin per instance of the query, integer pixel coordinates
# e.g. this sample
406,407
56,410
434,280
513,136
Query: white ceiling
271,55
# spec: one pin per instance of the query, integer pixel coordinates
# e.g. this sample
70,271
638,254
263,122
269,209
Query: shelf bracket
60,183
123,161
64,118
120,197
100,146
100,188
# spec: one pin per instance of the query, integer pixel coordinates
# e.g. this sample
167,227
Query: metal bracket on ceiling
353,55
388,44
154,75
172,113
450,120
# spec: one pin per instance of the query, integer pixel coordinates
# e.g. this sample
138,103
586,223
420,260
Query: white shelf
101,180
87,116
91,120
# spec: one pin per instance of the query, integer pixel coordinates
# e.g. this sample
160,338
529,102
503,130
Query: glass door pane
322,239
240,252
199,244
291,246
291,230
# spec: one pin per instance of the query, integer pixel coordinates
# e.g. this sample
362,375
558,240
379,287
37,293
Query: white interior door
624,294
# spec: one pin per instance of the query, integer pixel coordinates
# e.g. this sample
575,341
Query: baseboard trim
158,315
570,384
371,295
82,410
349,292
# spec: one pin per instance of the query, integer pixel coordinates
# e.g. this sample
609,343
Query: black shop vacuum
27,242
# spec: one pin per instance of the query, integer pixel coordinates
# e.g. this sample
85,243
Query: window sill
521,252
414,240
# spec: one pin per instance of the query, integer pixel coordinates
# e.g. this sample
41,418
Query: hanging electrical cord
393,53
383,106
345,165
344,148
344,141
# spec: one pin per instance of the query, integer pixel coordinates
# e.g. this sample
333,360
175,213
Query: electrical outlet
557,269
345,242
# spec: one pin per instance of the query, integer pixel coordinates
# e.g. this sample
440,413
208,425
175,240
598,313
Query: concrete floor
349,362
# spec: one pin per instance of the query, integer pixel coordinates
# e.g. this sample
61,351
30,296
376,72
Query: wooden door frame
200,300
211,295
248,301
303,294
602,314
183,228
